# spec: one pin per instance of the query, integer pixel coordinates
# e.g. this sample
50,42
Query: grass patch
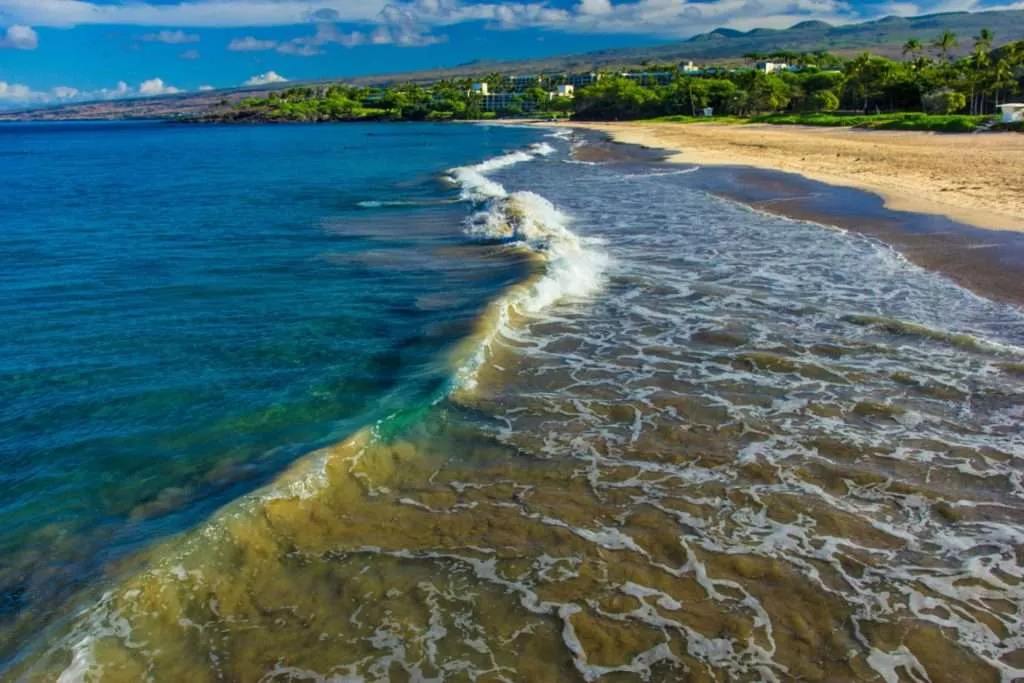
679,118
951,123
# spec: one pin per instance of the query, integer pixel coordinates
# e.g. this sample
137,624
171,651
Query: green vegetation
935,92
446,100
944,123
922,92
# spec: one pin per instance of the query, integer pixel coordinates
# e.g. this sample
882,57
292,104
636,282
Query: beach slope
972,178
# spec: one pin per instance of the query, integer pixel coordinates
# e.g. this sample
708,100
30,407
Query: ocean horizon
449,402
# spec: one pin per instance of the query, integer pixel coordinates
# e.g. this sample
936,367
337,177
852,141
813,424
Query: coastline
988,262
967,178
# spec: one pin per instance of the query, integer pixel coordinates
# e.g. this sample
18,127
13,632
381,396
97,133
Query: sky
54,51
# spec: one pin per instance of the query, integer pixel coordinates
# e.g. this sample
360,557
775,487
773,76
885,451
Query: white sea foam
473,180
574,266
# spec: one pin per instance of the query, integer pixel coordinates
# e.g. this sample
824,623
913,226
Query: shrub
824,100
943,101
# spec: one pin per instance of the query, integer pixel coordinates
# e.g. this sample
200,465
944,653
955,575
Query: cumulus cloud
416,22
63,92
18,37
19,95
266,79
16,92
156,86
250,44
122,90
178,37
190,54
399,27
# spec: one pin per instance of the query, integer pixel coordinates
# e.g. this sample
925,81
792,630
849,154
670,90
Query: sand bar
976,179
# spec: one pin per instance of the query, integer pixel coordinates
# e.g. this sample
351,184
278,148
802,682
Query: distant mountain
883,36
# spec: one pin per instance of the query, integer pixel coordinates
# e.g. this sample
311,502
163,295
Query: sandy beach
972,178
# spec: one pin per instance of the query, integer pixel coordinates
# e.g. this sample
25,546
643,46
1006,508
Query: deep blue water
185,310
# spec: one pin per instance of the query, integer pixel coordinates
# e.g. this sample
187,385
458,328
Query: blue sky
66,50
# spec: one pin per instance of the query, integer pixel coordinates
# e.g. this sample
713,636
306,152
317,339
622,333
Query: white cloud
595,7
19,37
414,22
178,37
17,93
63,92
250,44
156,86
190,54
401,28
187,13
266,79
206,88
122,90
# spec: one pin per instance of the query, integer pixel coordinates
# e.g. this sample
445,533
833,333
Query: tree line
928,79
820,82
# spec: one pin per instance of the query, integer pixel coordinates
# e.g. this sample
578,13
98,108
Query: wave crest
573,267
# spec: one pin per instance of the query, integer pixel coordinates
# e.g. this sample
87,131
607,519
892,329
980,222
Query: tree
616,98
394,102
946,43
823,100
913,48
945,101
867,77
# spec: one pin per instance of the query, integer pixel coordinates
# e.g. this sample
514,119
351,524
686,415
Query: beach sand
973,179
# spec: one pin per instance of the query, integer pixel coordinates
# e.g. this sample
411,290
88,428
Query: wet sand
973,179
987,262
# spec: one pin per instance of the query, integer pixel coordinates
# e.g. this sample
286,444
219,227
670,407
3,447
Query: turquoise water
187,310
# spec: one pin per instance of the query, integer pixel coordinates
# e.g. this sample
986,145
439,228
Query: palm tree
1002,77
912,47
980,61
946,42
983,41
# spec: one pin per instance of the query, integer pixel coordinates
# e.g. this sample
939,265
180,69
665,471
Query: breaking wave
570,266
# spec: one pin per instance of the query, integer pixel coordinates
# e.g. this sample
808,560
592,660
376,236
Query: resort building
479,89
521,83
690,68
649,77
1013,112
507,101
771,67
582,80
566,90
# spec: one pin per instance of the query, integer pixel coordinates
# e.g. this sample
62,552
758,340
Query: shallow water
698,443
187,310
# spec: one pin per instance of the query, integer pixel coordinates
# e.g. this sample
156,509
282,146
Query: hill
883,36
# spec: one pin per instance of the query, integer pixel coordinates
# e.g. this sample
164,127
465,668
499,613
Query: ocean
441,402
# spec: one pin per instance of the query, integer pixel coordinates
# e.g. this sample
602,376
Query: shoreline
988,262
965,177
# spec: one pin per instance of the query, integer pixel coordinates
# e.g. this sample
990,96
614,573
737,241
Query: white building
582,80
521,83
567,90
479,89
771,67
649,77
1013,112
690,68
